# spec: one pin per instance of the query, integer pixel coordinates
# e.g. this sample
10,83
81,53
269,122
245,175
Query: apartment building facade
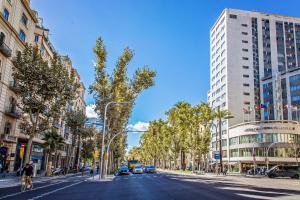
255,74
19,24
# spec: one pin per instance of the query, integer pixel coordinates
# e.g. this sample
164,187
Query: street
158,186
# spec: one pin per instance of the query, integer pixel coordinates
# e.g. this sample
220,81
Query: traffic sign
217,155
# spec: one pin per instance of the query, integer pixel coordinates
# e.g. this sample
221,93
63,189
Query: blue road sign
217,156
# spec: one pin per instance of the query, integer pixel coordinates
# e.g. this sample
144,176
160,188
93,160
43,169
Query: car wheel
271,176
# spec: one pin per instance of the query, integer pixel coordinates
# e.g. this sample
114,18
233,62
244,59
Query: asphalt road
148,186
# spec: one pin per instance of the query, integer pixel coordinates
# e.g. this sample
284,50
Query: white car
137,170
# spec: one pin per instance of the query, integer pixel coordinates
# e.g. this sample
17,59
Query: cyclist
28,172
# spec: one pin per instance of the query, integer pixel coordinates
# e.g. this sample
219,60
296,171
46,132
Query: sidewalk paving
208,174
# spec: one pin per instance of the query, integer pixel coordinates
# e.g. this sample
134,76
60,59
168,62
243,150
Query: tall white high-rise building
255,74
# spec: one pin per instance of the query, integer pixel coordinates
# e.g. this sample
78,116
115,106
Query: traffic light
22,150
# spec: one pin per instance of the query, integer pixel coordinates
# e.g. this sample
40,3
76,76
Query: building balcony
13,111
8,138
5,50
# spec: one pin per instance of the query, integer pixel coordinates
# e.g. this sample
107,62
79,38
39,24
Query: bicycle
25,182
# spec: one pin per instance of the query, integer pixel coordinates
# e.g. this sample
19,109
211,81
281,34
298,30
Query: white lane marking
15,194
53,191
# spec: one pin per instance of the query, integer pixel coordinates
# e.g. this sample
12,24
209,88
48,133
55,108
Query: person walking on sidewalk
225,171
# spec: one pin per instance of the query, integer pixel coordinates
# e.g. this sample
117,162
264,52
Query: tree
219,115
75,120
53,142
88,144
184,132
179,117
42,89
133,154
117,87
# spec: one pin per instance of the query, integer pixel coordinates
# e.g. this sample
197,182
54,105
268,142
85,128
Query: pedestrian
91,171
225,171
97,169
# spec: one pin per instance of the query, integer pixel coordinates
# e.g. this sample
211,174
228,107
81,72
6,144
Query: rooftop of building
284,17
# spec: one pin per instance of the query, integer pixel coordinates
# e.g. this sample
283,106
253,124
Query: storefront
7,154
37,155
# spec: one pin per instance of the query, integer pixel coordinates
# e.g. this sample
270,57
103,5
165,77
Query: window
245,50
244,25
245,58
246,93
245,41
246,84
246,102
5,14
24,19
7,128
22,35
245,75
36,38
232,16
245,67
244,33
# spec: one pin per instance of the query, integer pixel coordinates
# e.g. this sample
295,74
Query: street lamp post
103,133
108,147
267,153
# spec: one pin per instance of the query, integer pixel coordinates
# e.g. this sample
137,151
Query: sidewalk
190,173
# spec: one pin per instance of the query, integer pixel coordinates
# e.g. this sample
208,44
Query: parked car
123,170
149,169
284,171
258,171
137,170
58,171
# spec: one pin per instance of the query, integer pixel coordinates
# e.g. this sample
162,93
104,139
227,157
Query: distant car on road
137,170
284,171
149,169
123,170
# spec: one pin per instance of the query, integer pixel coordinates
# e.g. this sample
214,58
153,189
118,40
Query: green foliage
117,87
43,89
184,130
53,141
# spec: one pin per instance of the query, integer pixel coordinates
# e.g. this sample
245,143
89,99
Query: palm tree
219,115
53,142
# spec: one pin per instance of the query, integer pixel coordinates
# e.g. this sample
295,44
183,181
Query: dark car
123,170
284,171
150,169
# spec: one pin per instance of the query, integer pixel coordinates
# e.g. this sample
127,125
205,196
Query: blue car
123,170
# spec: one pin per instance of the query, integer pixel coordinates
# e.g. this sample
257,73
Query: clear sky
171,36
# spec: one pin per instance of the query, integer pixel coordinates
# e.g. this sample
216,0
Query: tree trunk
77,157
28,149
193,160
183,161
49,165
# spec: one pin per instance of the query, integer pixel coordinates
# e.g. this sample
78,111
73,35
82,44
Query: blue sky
171,36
